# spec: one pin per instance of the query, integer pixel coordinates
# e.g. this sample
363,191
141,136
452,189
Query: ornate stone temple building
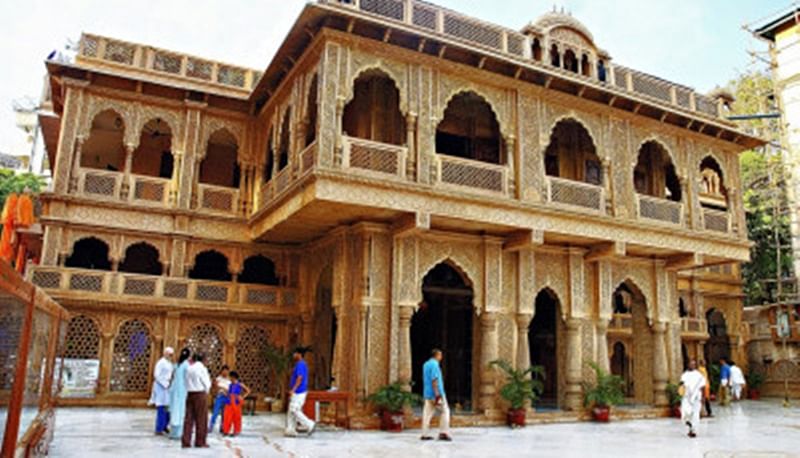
400,177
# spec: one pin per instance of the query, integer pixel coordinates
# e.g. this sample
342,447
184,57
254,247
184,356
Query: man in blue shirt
435,398
298,390
724,382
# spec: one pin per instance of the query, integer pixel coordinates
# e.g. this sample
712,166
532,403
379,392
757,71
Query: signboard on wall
80,378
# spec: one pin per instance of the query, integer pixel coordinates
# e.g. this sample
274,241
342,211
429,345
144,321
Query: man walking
707,389
297,396
724,382
198,384
737,381
162,375
693,383
435,398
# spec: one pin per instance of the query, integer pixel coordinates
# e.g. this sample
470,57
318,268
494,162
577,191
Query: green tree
11,182
764,182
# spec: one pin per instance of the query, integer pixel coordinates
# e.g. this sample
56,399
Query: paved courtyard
749,429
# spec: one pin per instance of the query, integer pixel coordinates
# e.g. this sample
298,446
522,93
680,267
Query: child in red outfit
232,417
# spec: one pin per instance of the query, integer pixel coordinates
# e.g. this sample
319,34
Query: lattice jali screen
217,199
387,8
716,220
576,194
682,97
705,105
119,52
368,157
130,362
83,339
86,282
45,279
168,63
176,290
11,319
282,180
200,69
103,185
90,46
149,190
307,157
620,75
250,362
205,339
474,176
231,76
213,293
515,43
660,209
261,296
651,87
139,286
472,31
423,16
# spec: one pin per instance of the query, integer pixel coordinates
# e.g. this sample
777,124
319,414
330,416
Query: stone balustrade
575,194
657,209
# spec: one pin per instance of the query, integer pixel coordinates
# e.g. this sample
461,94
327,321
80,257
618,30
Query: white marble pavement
747,429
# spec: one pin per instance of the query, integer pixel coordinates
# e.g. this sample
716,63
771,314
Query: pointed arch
142,258
104,148
259,269
285,139
210,265
572,152
220,165
654,173
311,110
153,155
373,112
89,253
132,357
470,129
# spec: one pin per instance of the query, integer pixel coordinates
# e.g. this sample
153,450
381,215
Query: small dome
554,19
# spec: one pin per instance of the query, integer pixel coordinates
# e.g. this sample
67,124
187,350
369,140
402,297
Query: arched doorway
210,265
89,253
621,366
324,345
445,321
631,327
543,334
141,258
718,344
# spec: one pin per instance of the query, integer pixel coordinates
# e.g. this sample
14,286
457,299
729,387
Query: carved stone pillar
337,152
523,346
510,160
489,350
68,149
76,164
174,181
106,352
404,357
573,399
126,173
687,207
608,185
602,345
660,371
411,159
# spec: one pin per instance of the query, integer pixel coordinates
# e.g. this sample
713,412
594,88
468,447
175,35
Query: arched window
654,174
130,361
260,270
555,57
374,113
141,258
585,66
83,339
570,61
153,156
712,184
536,50
89,253
601,70
470,130
210,265
311,112
284,144
104,149
220,166
571,154
269,161
683,312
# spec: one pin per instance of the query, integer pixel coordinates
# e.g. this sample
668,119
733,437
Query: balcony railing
219,199
431,18
694,326
374,157
716,220
621,323
118,284
307,158
165,63
152,190
95,182
658,209
467,173
575,194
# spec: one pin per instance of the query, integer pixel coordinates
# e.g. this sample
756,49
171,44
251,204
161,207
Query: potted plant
608,390
391,400
754,382
522,385
674,398
713,380
279,361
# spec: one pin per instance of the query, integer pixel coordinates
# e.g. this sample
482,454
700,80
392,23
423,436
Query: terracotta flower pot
392,421
601,414
754,394
515,418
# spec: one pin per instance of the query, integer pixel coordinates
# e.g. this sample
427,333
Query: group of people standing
695,387
180,394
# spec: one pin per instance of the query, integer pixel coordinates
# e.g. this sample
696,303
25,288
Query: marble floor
759,429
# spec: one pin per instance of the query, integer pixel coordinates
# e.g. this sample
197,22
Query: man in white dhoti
737,381
692,384
162,375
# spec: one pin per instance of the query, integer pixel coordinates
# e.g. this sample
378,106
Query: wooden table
337,398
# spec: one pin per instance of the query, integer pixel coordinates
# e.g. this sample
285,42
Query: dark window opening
89,253
259,270
374,113
141,258
470,130
571,154
311,112
210,265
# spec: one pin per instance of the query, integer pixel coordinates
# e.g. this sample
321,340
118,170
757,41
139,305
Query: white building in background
34,159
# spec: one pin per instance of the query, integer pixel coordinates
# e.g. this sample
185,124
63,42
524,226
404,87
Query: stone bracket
684,261
411,223
523,240
609,250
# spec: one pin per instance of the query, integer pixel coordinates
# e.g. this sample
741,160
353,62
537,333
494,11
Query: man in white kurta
162,376
692,382
737,381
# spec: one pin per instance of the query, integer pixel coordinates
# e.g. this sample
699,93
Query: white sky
694,42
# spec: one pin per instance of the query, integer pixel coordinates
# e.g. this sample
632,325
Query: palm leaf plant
522,385
393,398
607,390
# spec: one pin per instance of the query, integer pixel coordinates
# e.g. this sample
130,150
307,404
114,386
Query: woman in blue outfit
177,396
